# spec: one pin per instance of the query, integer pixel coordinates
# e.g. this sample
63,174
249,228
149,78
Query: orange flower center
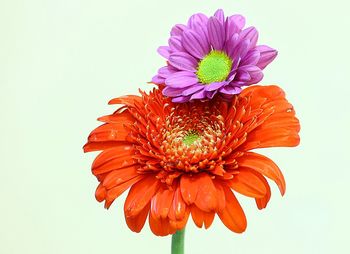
191,139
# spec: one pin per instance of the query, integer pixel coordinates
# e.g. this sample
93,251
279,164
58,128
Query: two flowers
184,149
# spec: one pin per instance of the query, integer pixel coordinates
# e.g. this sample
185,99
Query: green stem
177,242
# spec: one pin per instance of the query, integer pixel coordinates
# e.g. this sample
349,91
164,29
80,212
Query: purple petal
177,30
195,44
250,34
196,19
256,78
158,80
254,72
181,99
216,33
243,76
215,86
267,55
193,89
198,95
231,44
210,94
172,92
251,58
181,79
230,90
164,51
240,50
219,14
232,76
234,24
183,61
166,71
175,43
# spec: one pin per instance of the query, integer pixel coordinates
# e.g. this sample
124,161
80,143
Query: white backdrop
61,61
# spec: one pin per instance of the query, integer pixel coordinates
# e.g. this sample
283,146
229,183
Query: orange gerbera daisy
190,158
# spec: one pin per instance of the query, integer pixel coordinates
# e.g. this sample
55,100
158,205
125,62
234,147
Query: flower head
212,55
190,158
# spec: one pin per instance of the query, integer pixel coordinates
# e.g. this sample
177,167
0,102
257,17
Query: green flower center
214,67
190,138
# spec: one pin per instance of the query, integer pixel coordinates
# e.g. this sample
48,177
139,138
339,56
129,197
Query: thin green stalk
178,242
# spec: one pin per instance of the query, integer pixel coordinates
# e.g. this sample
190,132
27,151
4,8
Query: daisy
190,159
210,56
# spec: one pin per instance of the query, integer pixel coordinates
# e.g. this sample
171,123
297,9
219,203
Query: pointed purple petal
267,55
172,92
230,90
256,77
181,99
214,86
255,73
193,89
164,51
177,30
250,34
210,94
195,44
219,14
233,25
181,79
243,76
175,43
166,71
216,33
158,80
240,50
183,61
231,44
198,95
196,19
251,58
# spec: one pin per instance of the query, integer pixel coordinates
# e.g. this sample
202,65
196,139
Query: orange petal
116,191
179,211
111,153
189,188
118,162
274,137
220,196
161,203
206,197
178,206
180,224
208,219
197,216
233,216
109,132
265,166
118,117
140,195
248,184
263,91
136,223
278,128
100,193
97,146
201,218
119,176
128,100
161,227
262,202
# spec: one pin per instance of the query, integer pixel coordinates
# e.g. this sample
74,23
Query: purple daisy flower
211,55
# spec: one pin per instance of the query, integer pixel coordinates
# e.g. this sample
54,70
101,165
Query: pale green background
61,61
